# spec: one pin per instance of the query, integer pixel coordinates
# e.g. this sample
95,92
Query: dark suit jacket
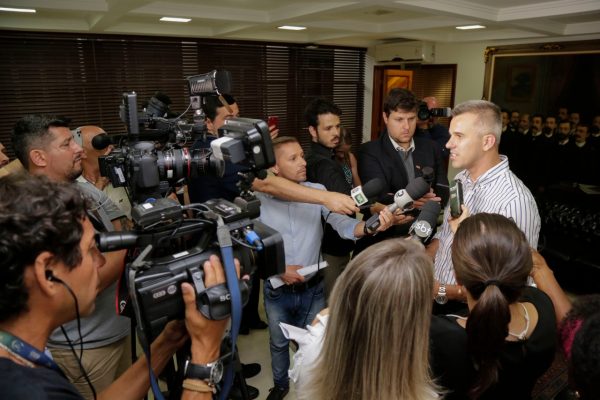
379,159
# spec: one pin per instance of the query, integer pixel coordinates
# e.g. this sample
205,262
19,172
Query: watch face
217,372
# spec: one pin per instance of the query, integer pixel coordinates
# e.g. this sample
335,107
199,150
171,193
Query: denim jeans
285,305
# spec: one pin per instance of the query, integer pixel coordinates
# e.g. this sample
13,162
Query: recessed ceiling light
292,28
21,10
467,27
175,19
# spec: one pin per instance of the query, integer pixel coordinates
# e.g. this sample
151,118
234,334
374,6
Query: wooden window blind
82,76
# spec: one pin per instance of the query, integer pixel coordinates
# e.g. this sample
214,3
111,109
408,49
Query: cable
319,258
79,359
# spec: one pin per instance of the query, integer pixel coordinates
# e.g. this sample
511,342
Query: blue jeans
285,304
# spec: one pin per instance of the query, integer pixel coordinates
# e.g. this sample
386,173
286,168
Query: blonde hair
376,343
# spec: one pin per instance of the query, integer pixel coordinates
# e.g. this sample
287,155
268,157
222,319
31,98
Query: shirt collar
491,174
318,148
397,147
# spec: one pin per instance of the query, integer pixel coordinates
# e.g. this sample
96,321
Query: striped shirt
497,191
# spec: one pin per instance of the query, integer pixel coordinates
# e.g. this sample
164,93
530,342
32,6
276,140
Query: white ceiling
343,22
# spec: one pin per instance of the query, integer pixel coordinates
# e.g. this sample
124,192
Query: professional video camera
176,239
168,259
424,112
148,172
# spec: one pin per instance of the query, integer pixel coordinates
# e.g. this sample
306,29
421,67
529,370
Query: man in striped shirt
488,186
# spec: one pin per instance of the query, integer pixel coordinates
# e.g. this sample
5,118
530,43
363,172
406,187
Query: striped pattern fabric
497,191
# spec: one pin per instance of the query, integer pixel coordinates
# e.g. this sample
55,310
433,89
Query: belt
301,287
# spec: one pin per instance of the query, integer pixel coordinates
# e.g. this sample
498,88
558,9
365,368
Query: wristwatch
211,373
441,297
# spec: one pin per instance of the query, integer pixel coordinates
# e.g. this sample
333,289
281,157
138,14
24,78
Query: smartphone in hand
273,120
456,199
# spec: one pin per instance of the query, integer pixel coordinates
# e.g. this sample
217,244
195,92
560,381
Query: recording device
362,194
456,198
168,258
403,199
149,172
424,112
273,120
424,226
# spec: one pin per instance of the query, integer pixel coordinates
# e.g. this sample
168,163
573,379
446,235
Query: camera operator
216,114
430,129
45,146
50,272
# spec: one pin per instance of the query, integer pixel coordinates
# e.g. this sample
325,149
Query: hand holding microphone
403,200
361,194
422,229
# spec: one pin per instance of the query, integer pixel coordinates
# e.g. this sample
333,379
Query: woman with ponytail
508,339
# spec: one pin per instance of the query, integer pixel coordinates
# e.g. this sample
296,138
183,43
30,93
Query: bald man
91,168
430,129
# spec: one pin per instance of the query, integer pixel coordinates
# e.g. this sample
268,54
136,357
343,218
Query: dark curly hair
211,105
400,100
36,215
319,106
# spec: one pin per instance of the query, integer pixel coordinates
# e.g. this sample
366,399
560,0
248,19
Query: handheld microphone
403,199
422,229
361,194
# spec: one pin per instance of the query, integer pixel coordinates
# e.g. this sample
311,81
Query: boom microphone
403,199
361,194
422,229
216,82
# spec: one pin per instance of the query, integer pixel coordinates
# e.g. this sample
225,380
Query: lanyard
27,351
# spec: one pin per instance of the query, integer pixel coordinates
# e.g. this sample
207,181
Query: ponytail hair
492,259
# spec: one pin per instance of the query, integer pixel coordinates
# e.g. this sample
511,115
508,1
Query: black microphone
422,229
216,82
361,194
428,174
403,199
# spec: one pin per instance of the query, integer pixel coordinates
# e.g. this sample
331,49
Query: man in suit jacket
397,157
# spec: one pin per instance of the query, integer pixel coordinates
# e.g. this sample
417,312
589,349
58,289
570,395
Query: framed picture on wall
521,82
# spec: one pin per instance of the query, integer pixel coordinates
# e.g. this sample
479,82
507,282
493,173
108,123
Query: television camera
170,242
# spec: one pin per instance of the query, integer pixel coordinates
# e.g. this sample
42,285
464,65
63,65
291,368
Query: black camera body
424,113
159,272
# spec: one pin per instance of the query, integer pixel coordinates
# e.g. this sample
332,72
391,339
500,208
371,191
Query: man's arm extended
288,190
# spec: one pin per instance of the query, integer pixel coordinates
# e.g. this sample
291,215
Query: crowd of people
552,149
387,317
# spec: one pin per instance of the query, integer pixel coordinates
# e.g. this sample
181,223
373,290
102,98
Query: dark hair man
49,275
397,157
45,146
488,186
324,126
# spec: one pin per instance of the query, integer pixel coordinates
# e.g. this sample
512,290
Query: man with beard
45,146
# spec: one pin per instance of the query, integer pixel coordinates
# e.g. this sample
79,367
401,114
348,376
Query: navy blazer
379,159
